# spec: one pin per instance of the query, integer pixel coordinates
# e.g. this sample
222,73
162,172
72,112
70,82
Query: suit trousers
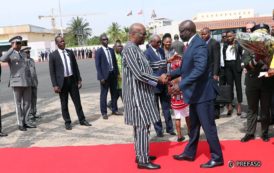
33,109
22,99
70,86
258,91
233,76
110,83
165,104
141,143
202,114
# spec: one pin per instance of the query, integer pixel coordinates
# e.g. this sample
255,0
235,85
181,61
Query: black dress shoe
105,116
151,158
183,157
148,166
22,128
265,138
3,134
211,164
160,135
117,113
30,126
68,126
85,123
229,113
181,139
172,133
247,138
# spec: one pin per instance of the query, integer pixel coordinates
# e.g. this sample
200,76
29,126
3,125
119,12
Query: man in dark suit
107,74
66,79
199,92
213,48
156,57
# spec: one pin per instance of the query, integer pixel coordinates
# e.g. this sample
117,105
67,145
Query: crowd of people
184,77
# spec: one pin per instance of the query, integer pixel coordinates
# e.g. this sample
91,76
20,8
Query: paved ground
51,131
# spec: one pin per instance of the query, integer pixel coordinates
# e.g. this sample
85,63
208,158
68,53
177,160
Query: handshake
163,79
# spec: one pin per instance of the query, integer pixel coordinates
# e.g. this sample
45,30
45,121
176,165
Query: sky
19,12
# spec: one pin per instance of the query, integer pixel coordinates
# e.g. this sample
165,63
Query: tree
125,34
94,41
114,32
78,31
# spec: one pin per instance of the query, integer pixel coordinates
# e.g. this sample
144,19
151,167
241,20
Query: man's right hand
102,82
163,79
56,89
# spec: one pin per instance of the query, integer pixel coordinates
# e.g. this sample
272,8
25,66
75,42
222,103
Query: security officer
34,84
258,90
20,81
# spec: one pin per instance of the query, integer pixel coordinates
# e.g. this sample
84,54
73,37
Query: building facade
38,38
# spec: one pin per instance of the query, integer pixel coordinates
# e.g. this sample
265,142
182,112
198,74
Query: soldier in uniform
20,81
1,134
258,90
34,84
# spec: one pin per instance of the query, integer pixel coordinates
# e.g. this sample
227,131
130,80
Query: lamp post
61,21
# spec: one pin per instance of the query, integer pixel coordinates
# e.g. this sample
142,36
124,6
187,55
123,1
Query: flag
140,12
153,15
130,13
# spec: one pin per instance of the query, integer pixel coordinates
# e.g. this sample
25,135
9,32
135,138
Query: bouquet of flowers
259,43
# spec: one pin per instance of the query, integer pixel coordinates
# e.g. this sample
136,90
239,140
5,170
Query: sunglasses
105,39
18,43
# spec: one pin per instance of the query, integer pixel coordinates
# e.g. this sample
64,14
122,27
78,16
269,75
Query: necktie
109,60
66,63
185,48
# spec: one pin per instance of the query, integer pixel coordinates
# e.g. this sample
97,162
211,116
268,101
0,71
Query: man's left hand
79,84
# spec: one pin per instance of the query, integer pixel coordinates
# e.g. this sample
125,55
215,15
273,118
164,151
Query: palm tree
80,29
114,32
125,34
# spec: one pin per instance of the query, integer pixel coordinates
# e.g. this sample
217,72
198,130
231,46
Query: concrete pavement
51,131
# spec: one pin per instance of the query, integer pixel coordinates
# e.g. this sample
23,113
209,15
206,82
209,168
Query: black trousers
258,90
70,86
110,83
232,76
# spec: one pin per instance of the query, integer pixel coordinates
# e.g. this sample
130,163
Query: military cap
15,39
26,48
260,26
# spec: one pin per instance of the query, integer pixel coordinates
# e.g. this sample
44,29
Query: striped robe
138,82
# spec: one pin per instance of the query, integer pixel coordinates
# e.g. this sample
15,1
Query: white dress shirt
156,52
230,53
64,63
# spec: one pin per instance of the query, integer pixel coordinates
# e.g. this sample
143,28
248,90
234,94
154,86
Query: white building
38,38
224,15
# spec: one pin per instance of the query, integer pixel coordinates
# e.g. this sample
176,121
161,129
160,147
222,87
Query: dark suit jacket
102,65
56,68
196,84
239,52
153,58
213,48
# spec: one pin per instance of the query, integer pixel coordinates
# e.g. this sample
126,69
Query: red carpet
119,158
